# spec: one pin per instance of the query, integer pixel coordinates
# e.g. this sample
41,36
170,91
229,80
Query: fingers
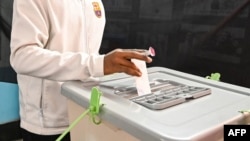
130,71
136,55
120,61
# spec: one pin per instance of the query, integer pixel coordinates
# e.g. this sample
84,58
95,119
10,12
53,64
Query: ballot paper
142,82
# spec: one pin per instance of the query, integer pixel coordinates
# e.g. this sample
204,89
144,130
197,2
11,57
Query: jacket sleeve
29,55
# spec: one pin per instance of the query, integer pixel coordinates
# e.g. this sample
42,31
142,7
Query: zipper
41,115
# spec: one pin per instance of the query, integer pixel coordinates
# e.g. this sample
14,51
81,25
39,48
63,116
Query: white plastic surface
201,119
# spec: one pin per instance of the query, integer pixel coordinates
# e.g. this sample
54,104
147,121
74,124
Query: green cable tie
95,105
93,110
72,125
214,76
244,111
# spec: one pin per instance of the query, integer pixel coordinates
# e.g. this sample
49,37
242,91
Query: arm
34,54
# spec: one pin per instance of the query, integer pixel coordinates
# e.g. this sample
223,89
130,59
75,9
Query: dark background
194,36
7,74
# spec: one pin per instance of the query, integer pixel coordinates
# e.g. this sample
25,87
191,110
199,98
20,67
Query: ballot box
180,107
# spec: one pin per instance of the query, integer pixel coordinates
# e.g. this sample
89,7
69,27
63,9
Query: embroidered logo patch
97,9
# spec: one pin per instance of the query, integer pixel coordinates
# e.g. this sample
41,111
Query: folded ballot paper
142,82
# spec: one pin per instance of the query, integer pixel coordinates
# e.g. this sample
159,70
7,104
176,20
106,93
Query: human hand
119,60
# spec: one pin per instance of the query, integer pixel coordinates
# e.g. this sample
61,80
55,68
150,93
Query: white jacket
53,41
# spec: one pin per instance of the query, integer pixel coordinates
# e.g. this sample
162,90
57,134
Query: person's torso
74,25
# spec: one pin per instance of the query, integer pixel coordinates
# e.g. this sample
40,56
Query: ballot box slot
169,97
164,93
155,85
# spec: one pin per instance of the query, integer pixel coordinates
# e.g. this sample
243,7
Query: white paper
142,82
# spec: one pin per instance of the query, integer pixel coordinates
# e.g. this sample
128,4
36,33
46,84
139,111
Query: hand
119,60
